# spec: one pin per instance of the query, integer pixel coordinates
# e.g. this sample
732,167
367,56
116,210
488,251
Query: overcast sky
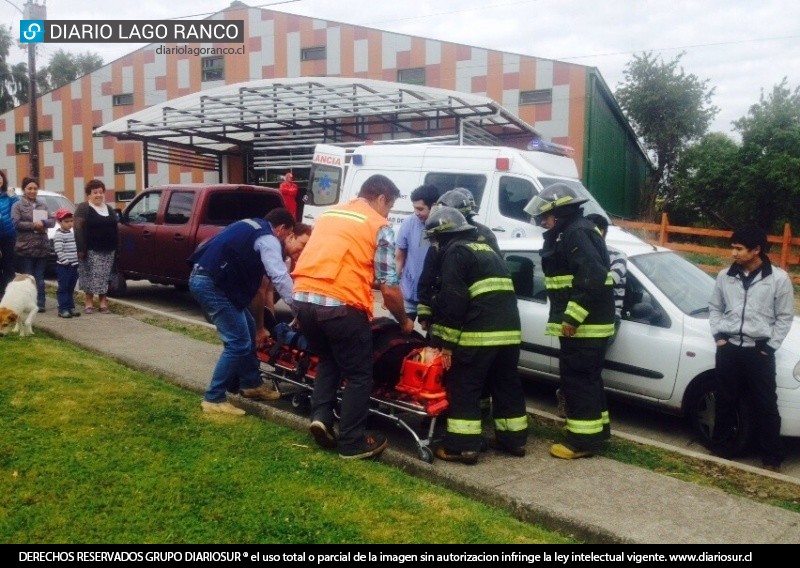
740,46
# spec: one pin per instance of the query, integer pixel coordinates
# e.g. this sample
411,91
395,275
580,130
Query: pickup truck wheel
117,285
702,414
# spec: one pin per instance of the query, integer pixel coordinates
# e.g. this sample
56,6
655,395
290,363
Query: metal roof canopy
280,120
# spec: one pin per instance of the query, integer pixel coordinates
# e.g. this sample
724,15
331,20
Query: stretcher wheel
299,401
425,454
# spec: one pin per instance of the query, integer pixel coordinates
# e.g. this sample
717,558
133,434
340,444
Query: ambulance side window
476,183
514,195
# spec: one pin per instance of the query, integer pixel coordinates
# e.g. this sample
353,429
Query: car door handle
498,229
178,237
147,233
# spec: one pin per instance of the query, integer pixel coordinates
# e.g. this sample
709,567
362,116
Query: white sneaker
221,408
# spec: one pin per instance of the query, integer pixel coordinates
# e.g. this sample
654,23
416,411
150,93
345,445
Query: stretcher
412,399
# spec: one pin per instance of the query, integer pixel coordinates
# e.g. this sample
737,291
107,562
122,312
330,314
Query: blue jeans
67,275
238,364
35,266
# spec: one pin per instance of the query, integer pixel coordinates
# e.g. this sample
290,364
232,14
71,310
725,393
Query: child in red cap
67,264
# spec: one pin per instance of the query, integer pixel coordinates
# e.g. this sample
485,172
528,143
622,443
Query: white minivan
663,355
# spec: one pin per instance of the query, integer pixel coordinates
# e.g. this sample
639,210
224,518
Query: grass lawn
94,452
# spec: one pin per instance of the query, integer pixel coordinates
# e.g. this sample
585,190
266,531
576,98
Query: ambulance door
326,181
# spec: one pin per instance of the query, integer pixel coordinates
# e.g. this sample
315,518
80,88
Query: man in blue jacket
750,313
228,272
8,234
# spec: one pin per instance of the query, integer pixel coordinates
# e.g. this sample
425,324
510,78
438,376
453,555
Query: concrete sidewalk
597,499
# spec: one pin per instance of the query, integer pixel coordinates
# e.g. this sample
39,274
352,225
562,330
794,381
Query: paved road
627,419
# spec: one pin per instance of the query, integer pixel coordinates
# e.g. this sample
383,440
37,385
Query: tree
720,182
65,67
667,109
769,193
62,69
13,78
704,177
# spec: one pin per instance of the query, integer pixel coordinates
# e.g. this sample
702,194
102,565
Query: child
67,267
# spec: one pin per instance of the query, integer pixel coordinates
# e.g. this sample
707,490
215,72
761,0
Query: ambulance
502,179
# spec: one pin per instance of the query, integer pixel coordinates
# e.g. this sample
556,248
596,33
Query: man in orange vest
351,247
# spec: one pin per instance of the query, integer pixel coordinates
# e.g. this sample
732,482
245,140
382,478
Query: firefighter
580,289
459,198
475,323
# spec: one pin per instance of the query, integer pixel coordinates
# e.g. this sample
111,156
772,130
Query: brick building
565,103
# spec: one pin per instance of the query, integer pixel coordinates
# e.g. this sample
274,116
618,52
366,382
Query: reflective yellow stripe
491,285
549,205
605,417
446,333
558,282
465,427
576,311
490,338
423,310
518,424
477,338
586,331
585,427
353,216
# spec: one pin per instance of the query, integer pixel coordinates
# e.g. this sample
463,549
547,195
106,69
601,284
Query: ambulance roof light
539,145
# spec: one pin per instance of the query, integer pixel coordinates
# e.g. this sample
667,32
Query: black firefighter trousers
581,365
472,369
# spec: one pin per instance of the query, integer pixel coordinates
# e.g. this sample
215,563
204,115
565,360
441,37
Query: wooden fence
786,254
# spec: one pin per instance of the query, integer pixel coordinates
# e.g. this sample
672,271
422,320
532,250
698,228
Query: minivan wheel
702,409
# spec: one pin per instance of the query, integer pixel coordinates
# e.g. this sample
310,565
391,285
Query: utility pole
33,11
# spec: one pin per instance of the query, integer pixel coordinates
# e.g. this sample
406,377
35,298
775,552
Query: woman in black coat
96,238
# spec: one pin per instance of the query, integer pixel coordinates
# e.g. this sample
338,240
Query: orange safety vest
339,259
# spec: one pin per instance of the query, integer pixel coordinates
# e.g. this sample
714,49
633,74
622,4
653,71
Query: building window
124,168
122,100
411,76
125,195
313,53
22,143
22,140
538,97
213,68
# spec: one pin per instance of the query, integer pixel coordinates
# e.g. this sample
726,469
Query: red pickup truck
162,226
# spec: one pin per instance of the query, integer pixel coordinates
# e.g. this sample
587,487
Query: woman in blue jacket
8,234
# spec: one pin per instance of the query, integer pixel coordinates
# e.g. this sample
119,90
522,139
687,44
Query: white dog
18,306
